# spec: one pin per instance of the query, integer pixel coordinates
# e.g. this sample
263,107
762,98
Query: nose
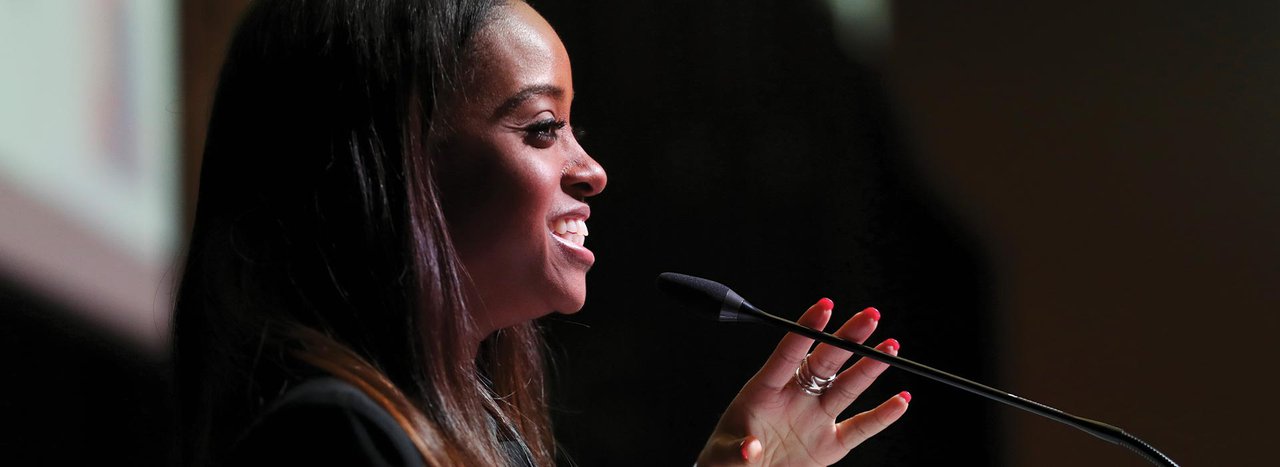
584,177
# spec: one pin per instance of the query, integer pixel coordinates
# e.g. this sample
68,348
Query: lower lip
581,253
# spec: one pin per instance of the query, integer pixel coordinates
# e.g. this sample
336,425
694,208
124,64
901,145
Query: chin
570,307
572,311
572,300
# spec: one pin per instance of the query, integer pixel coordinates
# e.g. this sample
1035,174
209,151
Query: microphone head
706,296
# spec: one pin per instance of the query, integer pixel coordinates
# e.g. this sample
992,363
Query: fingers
826,360
860,427
856,379
777,371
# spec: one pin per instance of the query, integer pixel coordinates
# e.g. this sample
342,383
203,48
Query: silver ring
810,383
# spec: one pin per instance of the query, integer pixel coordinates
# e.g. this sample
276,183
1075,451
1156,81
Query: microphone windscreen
704,295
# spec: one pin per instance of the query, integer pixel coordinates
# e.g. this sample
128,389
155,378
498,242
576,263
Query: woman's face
513,177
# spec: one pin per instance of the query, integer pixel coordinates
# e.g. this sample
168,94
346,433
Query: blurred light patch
89,156
863,27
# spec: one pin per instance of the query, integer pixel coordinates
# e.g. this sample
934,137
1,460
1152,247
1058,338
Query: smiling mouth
571,229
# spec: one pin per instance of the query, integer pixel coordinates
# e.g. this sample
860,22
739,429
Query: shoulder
325,421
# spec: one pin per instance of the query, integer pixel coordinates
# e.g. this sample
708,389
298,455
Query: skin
510,175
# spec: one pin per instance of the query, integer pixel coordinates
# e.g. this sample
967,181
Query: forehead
516,50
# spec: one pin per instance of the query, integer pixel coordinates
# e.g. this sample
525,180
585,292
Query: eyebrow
525,94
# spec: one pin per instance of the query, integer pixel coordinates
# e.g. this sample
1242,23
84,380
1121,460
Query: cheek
481,185
522,196
498,207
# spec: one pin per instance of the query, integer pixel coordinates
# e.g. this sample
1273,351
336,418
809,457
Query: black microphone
715,299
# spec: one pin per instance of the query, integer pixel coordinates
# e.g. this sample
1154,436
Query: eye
542,134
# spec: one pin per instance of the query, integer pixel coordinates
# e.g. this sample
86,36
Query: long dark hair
319,243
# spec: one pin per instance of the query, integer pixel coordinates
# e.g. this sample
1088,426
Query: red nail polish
892,344
873,313
826,304
906,396
750,447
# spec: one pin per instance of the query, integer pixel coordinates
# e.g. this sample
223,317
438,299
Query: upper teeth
571,230
573,226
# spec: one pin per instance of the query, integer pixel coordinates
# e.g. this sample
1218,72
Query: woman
391,194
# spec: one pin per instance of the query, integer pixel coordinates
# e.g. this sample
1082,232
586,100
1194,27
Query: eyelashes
542,134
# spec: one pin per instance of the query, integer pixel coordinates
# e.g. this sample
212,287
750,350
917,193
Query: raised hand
786,415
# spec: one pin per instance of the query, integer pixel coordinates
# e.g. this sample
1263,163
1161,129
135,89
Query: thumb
731,452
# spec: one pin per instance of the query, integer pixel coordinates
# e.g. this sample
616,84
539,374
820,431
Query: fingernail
826,304
751,448
873,313
892,344
906,396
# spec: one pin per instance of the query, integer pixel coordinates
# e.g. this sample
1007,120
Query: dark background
1073,201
